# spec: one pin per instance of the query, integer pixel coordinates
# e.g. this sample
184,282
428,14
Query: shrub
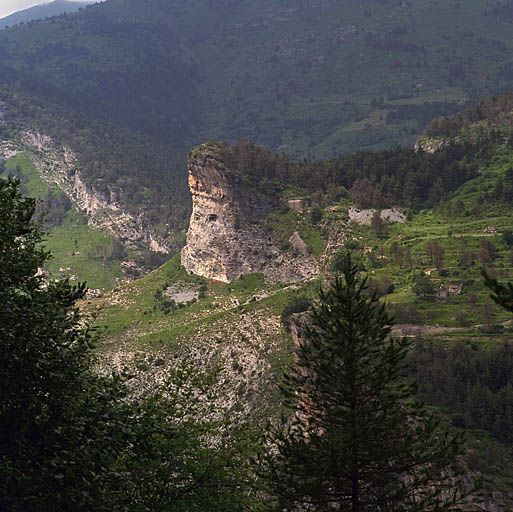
295,305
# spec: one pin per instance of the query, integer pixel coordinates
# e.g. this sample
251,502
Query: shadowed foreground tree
502,294
71,440
358,441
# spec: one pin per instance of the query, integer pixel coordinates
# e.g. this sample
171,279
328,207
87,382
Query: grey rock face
225,240
58,165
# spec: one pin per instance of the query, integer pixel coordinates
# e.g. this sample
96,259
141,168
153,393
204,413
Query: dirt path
414,330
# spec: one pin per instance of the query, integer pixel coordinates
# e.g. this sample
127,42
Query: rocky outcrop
225,239
59,165
104,211
300,205
364,217
431,144
298,244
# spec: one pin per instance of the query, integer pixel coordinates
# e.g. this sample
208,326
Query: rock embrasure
225,238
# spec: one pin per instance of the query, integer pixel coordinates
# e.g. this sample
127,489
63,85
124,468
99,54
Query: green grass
129,312
21,166
450,231
284,223
74,245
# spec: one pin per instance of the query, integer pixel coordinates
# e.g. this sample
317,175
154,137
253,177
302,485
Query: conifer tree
357,439
502,294
71,440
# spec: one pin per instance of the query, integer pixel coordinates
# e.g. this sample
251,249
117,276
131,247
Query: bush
507,236
315,214
295,305
383,286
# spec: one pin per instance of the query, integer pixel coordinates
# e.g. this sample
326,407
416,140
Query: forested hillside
454,150
131,85
272,71
330,112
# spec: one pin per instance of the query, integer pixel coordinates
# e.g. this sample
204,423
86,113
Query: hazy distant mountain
303,77
41,11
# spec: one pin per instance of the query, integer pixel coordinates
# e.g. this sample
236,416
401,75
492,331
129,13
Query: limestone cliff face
58,165
225,239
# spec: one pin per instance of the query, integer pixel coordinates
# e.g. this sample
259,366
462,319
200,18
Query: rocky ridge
58,165
225,239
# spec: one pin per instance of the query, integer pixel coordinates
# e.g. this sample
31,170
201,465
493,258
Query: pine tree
357,440
502,294
71,440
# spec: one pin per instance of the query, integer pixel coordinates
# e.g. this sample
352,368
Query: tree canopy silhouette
357,439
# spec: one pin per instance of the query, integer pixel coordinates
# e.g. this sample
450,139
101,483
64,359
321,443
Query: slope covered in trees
132,85
493,116
307,76
400,176
73,440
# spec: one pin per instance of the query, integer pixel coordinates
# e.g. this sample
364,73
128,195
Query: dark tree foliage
147,174
294,305
487,252
52,209
435,253
494,109
50,405
401,176
473,383
423,286
357,440
502,294
71,440
507,237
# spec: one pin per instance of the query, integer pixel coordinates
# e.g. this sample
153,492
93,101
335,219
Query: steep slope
90,232
225,239
119,164
79,251
226,69
305,78
152,323
426,265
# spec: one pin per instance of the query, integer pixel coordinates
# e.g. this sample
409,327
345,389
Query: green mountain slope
427,269
302,76
78,251
305,78
237,326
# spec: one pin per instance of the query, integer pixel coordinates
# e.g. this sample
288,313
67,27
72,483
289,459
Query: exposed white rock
364,217
225,240
297,243
181,292
8,150
300,205
58,165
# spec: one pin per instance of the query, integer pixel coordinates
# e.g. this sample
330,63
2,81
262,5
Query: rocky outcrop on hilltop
225,238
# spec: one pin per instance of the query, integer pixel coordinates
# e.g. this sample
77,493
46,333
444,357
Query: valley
427,269
205,167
